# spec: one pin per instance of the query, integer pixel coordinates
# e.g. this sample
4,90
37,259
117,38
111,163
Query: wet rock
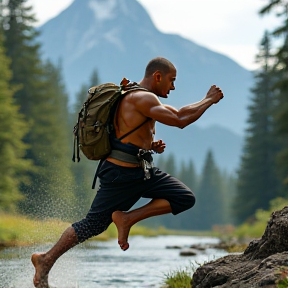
188,252
173,247
199,247
261,265
2,246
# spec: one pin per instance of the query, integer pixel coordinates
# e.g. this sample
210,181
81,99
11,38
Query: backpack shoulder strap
127,87
136,128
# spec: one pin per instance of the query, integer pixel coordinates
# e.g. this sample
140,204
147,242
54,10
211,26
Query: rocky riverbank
263,264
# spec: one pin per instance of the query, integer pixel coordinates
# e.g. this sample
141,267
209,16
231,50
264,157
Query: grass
283,277
180,278
17,230
283,283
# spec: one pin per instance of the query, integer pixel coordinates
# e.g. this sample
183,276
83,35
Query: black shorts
121,187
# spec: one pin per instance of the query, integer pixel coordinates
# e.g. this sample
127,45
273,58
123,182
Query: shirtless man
122,180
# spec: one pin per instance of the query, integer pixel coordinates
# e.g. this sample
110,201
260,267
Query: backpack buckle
97,126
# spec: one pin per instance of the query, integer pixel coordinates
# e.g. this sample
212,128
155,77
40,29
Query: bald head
158,64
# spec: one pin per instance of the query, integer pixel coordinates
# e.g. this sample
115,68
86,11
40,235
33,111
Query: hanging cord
76,140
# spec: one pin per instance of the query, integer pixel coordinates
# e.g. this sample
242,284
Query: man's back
129,116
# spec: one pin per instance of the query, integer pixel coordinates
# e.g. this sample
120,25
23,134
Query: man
128,173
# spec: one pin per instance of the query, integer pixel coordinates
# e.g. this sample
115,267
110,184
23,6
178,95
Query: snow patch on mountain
126,9
113,37
88,40
103,9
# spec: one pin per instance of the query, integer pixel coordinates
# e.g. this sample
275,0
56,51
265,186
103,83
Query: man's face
166,83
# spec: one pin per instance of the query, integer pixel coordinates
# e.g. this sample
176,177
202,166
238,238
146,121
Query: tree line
214,190
263,172
38,178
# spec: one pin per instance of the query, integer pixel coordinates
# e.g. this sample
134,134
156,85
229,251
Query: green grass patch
16,230
256,228
282,283
180,278
282,273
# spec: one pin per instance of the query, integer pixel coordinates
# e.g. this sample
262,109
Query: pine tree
169,165
280,7
57,154
281,116
209,197
94,78
23,50
84,170
229,193
188,219
51,193
257,180
42,100
12,149
188,175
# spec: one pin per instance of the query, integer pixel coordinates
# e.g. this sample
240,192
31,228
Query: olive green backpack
95,119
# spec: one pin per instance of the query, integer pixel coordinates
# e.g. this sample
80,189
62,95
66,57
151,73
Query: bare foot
41,271
121,221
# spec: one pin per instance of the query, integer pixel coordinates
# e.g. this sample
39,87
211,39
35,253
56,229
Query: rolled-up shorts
121,187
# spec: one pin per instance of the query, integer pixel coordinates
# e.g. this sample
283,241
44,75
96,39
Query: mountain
225,144
118,38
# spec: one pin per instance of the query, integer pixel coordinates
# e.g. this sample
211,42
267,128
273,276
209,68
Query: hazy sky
231,27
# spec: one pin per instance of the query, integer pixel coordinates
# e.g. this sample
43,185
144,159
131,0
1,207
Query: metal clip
146,161
97,126
146,166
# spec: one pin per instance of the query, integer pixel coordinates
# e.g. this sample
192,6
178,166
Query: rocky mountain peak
117,38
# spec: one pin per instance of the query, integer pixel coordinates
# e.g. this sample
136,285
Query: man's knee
91,226
189,200
183,202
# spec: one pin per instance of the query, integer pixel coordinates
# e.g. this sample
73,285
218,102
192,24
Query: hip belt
143,158
125,157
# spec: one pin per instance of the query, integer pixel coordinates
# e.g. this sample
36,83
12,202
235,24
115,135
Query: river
99,264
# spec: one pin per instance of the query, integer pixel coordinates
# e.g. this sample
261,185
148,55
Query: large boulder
263,263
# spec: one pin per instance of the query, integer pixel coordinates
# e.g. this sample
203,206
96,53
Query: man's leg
43,262
125,220
169,196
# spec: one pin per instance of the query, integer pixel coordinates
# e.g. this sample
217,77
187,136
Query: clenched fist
158,146
215,94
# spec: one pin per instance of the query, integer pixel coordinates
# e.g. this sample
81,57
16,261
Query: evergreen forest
39,180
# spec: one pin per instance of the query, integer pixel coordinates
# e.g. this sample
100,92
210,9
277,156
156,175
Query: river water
97,264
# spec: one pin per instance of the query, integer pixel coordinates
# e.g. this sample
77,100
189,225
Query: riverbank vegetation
19,230
182,277
255,227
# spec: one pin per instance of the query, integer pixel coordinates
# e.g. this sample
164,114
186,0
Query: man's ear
157,76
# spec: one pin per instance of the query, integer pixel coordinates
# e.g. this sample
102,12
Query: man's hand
215,94
158,146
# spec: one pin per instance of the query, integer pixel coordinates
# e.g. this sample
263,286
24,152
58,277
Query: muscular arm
186,115
150,106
